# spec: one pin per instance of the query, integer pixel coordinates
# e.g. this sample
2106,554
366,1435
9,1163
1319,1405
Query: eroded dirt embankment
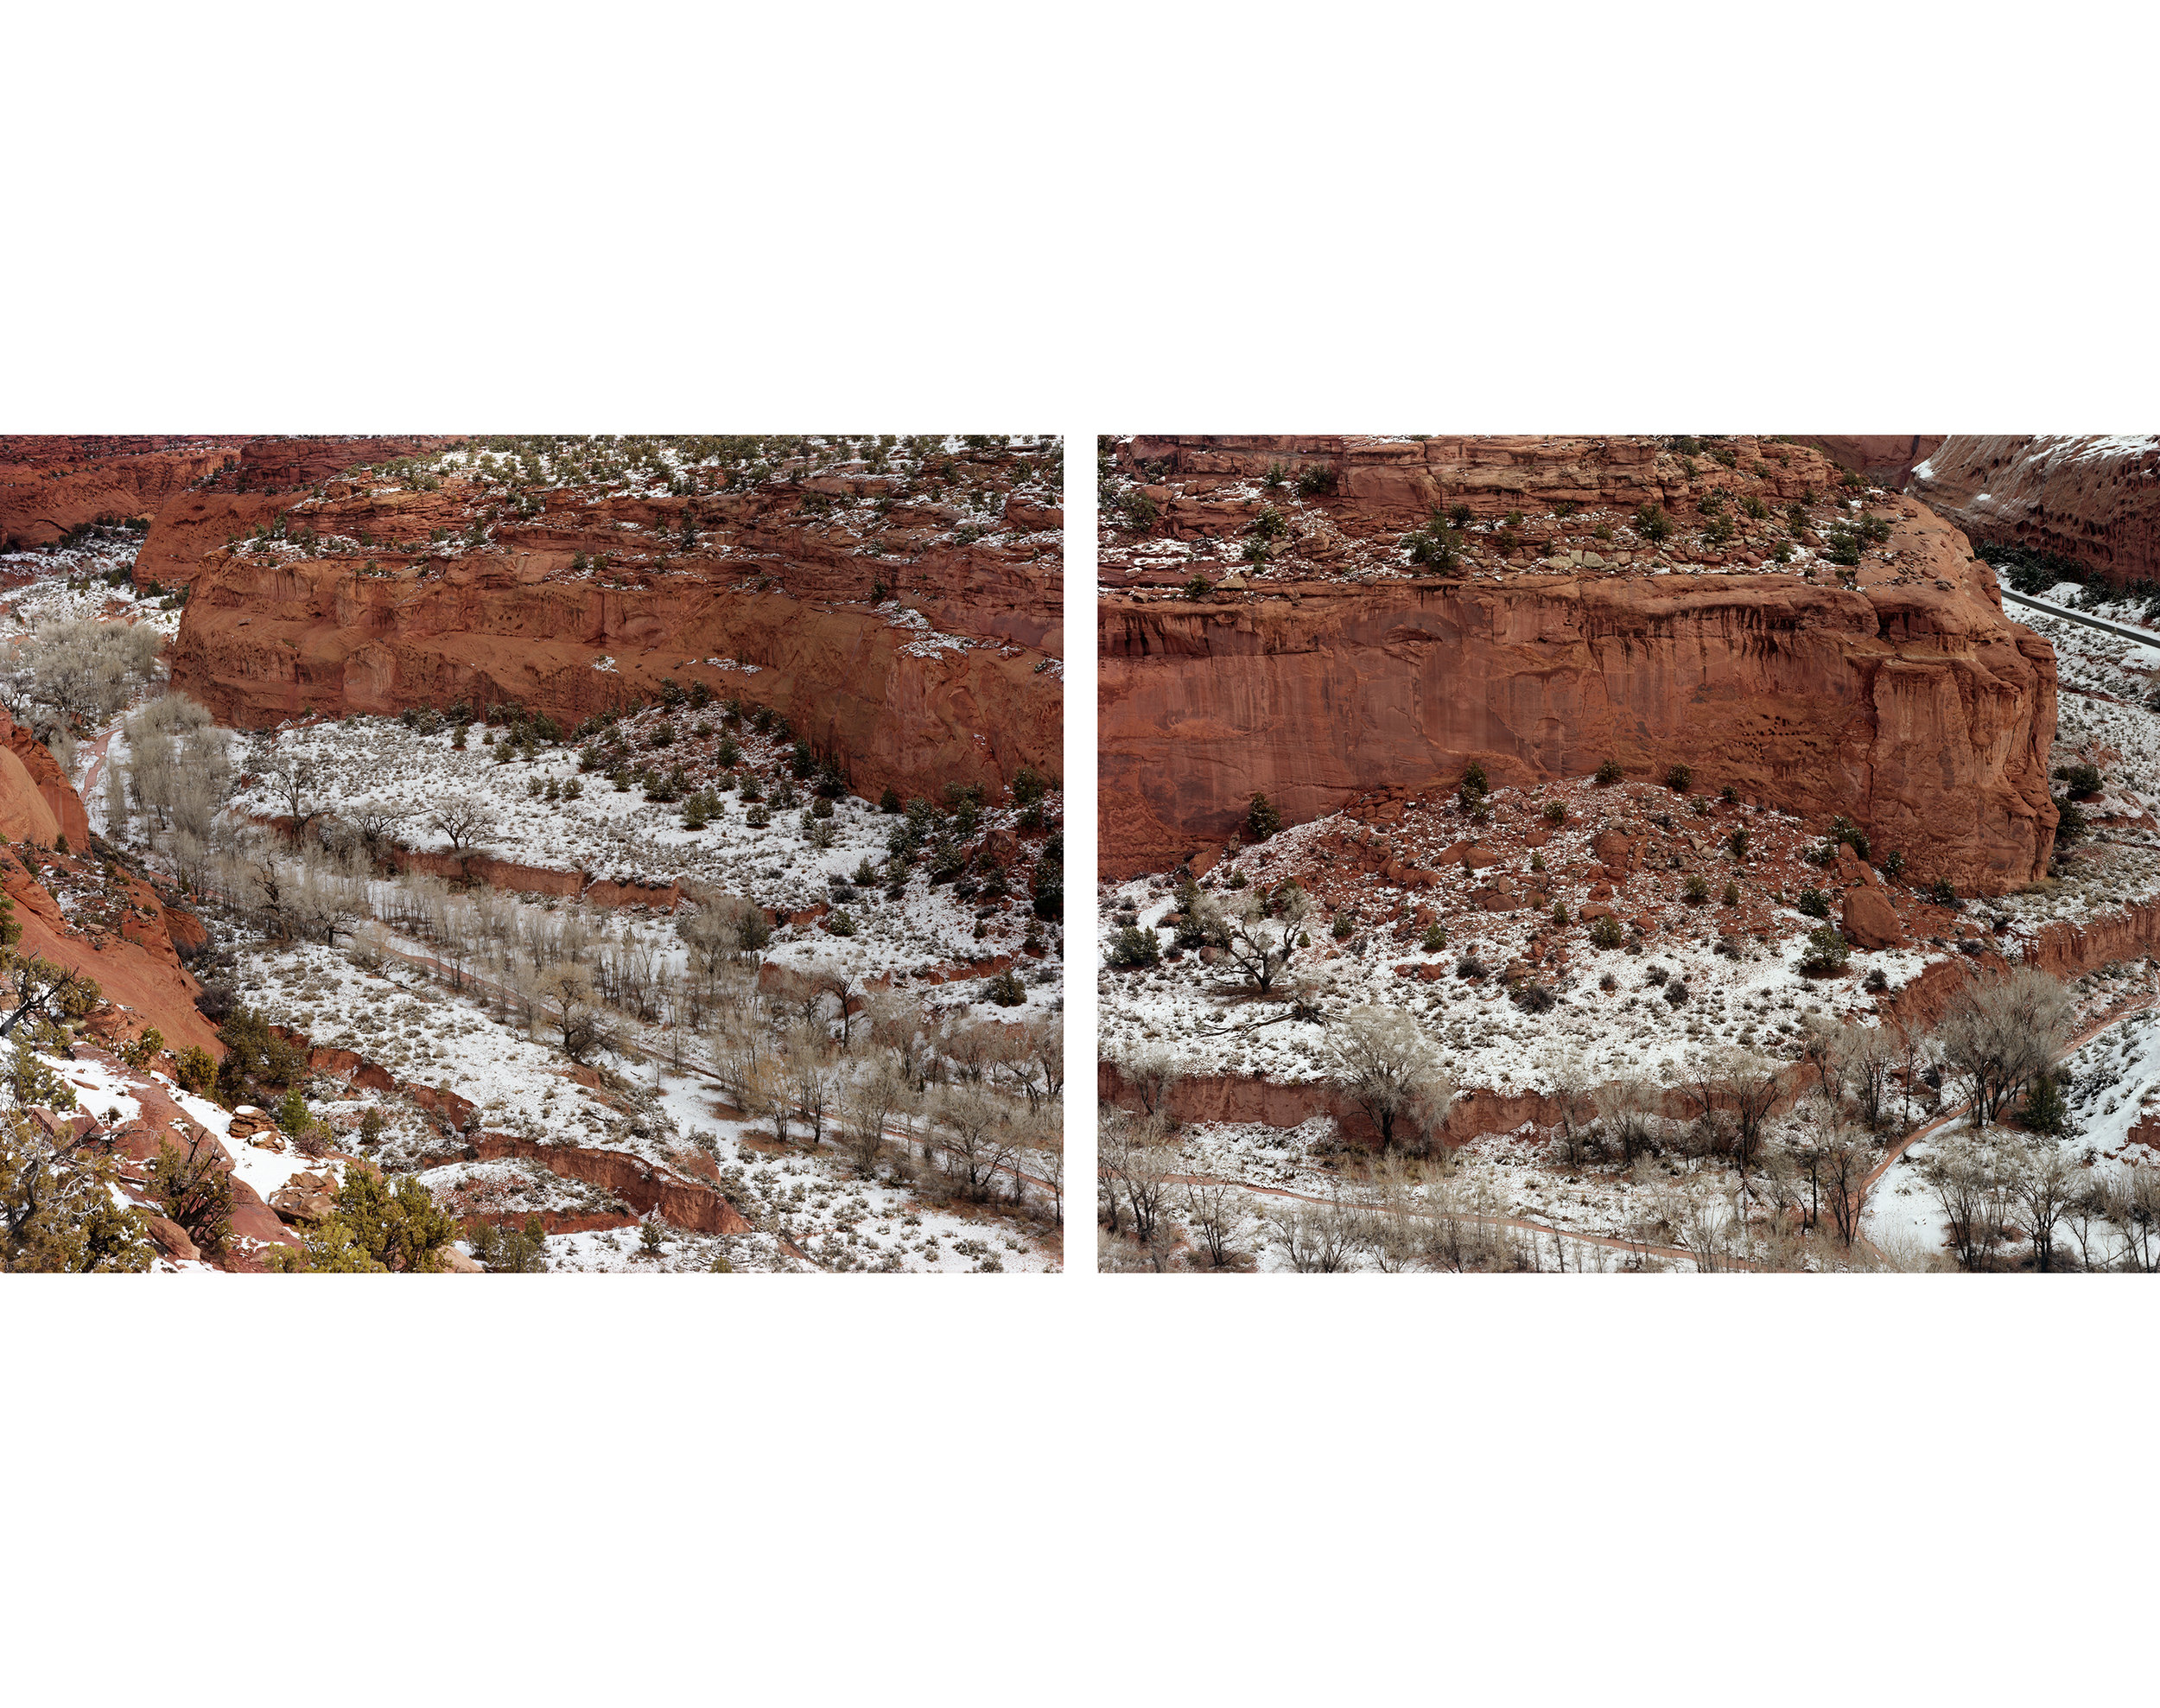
2065,951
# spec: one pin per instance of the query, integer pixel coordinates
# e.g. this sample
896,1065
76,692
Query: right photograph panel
1643,853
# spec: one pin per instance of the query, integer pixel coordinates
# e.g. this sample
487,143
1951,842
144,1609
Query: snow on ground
422,1032
618,835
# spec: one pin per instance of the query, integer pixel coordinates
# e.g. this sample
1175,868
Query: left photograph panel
499,852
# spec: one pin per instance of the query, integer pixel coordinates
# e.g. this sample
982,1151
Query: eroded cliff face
931,659
1899,695
1887,459
2093,498
48,487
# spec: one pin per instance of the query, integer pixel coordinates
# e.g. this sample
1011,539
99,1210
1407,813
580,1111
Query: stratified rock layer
1887,459
520,620
49,486
2094,499
1907,701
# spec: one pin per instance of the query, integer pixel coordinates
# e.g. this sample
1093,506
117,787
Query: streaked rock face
1907,701
2094,499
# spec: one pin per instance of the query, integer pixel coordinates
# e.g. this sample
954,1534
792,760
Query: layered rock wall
1907,701
2094,499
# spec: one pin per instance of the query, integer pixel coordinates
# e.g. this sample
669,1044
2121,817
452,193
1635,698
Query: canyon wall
2093,498
587,606
48,488
1887,459
1906,699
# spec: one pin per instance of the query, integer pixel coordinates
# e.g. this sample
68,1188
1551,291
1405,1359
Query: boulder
1870,920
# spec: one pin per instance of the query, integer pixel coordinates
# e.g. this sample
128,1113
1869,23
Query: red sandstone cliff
768,582
48,487
1907,701
1887,459
2093,498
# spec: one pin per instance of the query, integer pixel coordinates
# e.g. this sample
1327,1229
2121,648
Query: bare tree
1316,1238
2000,1031
1626,1107
291,780
2132,1196
580,1025
464,820
1383,1062
1152,1073
1261,935
976,1137
2043,1181
1573,1083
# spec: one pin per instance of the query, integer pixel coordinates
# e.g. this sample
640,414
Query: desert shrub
1653,524
1435,937
1135,946
1737,841
1697,888
376,1228
1469,967
1609,772
1813,903
1556,813
197,1069
1731,895
1827,951
1047,890
1345,922
1006,990
505,1251
1943,892
1676,991
1315,478
194,1188
1679,779
1534,998
1261,818
1893,864
1604,931
759,817
1560,913
140,1052
2083,781
889,801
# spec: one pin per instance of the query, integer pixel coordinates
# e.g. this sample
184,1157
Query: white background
1082,217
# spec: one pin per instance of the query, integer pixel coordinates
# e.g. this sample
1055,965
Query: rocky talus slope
2093,498
1565,633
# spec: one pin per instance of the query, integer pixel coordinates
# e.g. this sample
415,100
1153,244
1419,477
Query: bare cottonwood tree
464,819
2000,1031
1384,1064
2043,1181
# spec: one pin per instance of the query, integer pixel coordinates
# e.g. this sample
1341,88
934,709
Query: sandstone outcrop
2094,499
1886,458
46,488
1904,700
591,605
